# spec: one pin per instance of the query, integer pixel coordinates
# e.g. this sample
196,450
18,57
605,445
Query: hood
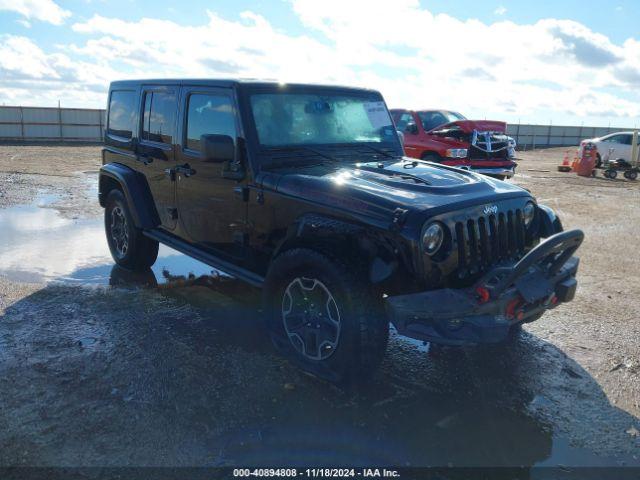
468,126
379,188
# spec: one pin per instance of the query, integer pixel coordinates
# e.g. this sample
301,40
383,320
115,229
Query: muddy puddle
133,378
40,246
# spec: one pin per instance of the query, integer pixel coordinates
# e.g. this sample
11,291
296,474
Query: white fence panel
81,124
57,124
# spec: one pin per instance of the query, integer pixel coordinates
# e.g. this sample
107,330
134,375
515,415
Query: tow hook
483,294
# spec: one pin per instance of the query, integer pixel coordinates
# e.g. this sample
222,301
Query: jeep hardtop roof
229,83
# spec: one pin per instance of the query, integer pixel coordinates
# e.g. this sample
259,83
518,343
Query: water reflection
40,245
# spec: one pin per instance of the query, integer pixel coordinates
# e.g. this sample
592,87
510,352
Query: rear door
211,211
156,148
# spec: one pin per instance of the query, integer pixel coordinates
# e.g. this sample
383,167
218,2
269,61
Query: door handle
144,159
185,170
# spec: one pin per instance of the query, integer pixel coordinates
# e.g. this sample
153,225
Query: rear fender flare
135,189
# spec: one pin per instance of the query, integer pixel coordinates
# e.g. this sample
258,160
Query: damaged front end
489,151
505,296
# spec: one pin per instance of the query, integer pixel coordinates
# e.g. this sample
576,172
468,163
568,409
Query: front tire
129,247
324,316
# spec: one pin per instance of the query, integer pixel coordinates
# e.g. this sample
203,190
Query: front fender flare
342,238
550,224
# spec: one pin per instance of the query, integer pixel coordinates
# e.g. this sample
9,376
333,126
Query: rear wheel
128,245
324,316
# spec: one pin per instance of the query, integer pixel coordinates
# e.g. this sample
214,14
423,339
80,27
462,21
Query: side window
403,120
432,120
627,139
406,119
121,113
614,139
159,115
208,114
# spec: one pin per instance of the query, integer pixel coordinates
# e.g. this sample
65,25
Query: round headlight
528,213
432,238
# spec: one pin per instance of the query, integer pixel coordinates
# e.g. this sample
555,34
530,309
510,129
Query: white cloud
552,65
29,76
43,10
501,10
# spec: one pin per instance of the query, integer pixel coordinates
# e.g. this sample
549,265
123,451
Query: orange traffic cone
576,160
565,167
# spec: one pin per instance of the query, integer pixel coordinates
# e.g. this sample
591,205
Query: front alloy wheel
311,318
323,314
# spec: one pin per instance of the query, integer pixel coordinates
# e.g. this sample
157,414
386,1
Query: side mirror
217,148
411,128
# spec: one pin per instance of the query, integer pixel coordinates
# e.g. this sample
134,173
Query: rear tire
129,247
323,315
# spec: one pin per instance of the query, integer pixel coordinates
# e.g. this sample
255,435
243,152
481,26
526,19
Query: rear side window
159,116
209,114
121,113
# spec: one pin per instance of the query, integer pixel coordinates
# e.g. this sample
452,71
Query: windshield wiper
380,151
289,155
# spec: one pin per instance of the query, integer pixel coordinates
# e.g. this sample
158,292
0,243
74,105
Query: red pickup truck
449,138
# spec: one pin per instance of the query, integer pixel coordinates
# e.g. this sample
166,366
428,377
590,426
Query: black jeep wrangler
304,191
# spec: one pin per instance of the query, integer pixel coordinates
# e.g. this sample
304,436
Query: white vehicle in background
611,147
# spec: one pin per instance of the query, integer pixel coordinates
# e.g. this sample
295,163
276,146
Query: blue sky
562,62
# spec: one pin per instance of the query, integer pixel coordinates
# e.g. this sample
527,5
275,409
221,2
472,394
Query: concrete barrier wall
51,124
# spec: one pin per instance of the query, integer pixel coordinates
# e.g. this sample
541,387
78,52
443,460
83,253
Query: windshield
435,118
286,119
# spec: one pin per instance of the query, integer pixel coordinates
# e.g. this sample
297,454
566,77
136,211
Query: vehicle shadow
183,374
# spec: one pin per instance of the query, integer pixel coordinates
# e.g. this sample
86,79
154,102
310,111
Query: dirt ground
183,374
64,171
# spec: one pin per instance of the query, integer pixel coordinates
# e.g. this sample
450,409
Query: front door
156,148
210,208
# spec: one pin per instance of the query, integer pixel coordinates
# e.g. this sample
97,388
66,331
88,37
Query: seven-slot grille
488,240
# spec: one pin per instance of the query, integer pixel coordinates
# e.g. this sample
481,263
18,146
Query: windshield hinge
399,218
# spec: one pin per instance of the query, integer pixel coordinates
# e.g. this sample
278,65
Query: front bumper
507,172
506,296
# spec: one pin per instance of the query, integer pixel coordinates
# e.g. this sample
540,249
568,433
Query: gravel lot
181,373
